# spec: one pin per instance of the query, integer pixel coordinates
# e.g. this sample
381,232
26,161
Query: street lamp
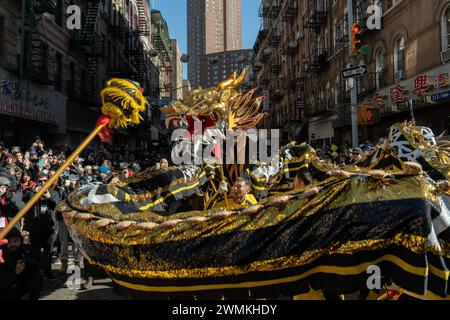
241,59
153,53
184,58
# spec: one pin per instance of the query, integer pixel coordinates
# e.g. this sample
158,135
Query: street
58,290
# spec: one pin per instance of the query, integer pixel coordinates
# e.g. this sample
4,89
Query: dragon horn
232,82
241,77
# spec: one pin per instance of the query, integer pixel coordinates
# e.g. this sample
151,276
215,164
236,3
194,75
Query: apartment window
2,36
59,13
337,88
71,89
399,58
445,25
379,69
335,35
44,64
58,72
327,94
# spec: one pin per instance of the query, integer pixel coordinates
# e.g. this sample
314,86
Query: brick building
55,83
303,46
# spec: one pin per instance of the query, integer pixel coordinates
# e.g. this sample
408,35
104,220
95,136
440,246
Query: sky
174,11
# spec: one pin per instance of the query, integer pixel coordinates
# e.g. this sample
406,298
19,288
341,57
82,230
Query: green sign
365,49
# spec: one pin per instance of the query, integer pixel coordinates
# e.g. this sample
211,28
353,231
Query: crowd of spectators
42,238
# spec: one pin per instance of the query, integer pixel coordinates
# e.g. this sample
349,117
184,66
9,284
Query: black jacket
10,204
41,218
8,275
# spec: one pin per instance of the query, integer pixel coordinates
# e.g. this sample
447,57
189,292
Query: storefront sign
441,96
30,100
29,112
415,92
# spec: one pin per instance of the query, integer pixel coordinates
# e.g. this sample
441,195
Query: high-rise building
213,26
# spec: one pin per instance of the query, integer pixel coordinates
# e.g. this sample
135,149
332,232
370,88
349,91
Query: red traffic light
356,28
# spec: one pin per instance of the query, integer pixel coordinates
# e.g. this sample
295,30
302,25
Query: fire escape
161,43
140,57
36,53
312,20
275,9
291,11
89,41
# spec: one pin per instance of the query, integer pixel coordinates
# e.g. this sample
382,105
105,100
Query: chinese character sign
398,94
422,84
378,100
441,80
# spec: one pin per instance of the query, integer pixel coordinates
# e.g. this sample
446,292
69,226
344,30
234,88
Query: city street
102,290
224,150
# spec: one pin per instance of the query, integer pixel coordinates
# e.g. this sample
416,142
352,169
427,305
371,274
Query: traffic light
356,38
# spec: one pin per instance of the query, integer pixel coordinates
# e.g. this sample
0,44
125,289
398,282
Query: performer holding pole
122,103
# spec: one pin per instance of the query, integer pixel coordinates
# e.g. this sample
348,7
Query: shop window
58,72
2,36
445,26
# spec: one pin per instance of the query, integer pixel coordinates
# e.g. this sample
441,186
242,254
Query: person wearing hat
124,171
40,222
10,204
9,159
103,173
355,155
19,274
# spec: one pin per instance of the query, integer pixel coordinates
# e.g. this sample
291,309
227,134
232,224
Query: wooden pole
50,181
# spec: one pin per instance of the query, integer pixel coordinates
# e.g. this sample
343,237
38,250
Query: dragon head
221,107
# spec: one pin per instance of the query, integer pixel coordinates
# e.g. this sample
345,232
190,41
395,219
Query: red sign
441,80
398,94
422,84
378,100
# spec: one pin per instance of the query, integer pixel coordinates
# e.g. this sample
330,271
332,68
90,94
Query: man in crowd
164,163
40,223
124,171
19,272
10,202
241,196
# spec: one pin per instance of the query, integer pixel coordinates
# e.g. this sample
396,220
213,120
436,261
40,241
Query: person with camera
38,146
40,223
19,274
10,201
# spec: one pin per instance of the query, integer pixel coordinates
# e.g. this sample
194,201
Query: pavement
68,286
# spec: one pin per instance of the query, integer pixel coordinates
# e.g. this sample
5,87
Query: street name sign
354,72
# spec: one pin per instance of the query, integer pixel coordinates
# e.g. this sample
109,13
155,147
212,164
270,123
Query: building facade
186,87
52,74
216,67
407,62
177,71
163,60
213,26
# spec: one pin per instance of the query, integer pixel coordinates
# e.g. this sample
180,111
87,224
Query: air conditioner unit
399,75
445,56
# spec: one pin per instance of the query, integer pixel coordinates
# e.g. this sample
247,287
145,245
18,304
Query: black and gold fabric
325,243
